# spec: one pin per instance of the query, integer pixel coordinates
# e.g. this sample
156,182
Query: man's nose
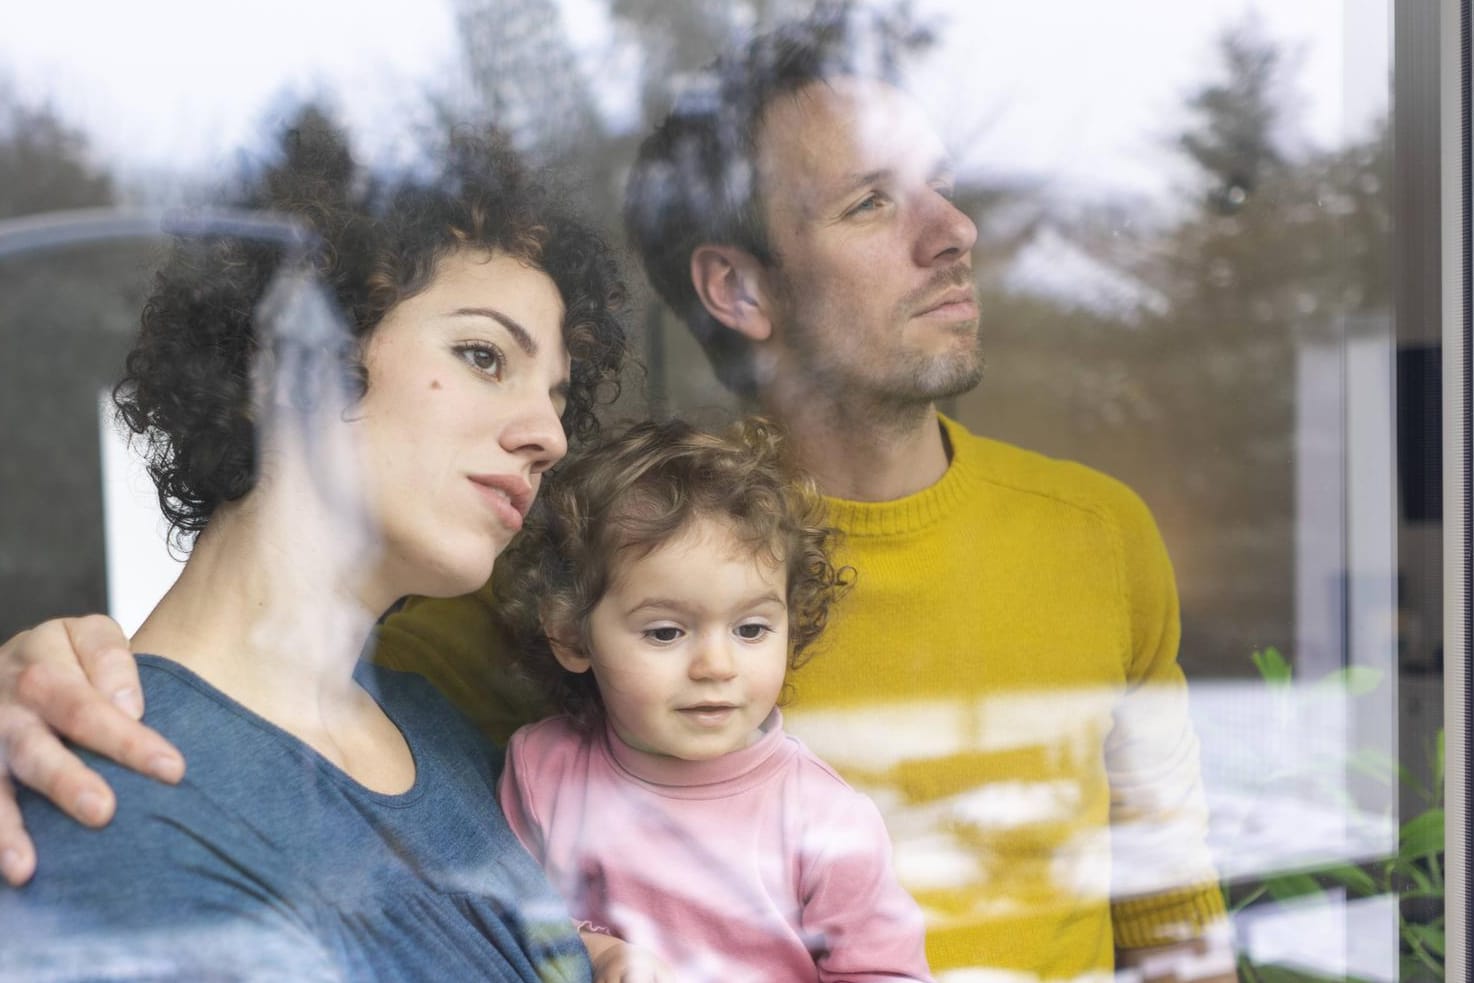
946,233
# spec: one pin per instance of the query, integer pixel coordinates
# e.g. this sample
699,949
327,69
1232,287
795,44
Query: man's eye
484,358
869,203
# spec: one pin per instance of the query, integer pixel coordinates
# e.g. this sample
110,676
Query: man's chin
950,376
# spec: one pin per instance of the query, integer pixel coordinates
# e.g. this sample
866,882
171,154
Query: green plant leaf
1411,782
1409,869
1432,938
1412,970
1351,680
1428,937
1352,878
1283,887
1435,868
1374,763
1249,899
1422,835
1273,668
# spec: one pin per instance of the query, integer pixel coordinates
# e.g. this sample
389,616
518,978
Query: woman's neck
268,611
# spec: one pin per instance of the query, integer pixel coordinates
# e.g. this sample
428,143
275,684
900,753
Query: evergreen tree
1190,395
1234,142
45,164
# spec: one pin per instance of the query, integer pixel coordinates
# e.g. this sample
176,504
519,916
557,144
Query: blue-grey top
268,862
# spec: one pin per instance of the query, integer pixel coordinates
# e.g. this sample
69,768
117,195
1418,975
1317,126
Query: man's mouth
956,304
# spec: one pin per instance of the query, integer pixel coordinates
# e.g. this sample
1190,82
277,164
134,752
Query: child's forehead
701,540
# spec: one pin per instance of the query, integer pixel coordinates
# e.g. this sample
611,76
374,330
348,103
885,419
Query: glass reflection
1185,270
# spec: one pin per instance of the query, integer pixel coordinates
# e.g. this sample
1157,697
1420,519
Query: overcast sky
1085,92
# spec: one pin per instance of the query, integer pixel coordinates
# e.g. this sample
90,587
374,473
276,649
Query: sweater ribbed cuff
1161,919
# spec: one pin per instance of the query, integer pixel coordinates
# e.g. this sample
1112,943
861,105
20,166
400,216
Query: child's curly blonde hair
632,491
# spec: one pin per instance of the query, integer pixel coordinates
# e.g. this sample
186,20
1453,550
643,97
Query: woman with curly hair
334,427
668,582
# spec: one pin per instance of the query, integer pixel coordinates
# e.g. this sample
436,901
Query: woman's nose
537,434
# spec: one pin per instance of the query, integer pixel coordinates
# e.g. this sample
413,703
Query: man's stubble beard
893,398
951,374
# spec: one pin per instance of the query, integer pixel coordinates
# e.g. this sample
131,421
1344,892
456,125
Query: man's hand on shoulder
73,678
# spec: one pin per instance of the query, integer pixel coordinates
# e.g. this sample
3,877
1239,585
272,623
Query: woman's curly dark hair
635,489
187,384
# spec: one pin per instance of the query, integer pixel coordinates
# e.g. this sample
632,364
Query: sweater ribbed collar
913,512
699,779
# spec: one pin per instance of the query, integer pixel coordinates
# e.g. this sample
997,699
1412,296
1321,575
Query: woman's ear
729,280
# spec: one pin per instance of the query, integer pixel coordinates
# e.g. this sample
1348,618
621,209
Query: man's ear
730,282
569,656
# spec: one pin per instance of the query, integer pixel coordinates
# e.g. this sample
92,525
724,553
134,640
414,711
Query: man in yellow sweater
1003,679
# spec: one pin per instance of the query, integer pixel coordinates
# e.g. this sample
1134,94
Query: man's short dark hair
695,179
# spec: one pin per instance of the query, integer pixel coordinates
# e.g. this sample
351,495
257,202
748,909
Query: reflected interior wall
65,324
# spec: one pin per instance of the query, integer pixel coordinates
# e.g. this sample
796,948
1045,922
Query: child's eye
482,356
752,631
665,634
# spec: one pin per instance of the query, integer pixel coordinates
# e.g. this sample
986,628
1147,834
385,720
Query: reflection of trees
44,164
65,319
525,80
68,318
1189,394
1184,389
1234,143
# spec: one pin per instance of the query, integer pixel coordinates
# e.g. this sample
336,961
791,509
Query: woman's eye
752,631
663,634
484,358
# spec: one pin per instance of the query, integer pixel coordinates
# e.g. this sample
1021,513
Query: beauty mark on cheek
434,383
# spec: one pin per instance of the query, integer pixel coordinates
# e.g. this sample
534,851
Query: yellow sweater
1003,681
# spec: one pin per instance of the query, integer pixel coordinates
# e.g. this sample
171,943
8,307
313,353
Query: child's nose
713,660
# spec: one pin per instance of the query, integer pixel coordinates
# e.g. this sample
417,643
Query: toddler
666,585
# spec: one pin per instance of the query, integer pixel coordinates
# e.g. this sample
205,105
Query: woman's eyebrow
519,334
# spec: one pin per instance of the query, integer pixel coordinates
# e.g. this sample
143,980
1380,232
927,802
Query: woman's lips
509,497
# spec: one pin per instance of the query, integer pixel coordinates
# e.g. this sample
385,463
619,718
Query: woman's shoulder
169,850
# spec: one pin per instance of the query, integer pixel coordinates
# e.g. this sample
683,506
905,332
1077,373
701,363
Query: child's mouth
709,714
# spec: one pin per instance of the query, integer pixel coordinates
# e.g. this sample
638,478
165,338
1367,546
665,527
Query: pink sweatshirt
761,866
